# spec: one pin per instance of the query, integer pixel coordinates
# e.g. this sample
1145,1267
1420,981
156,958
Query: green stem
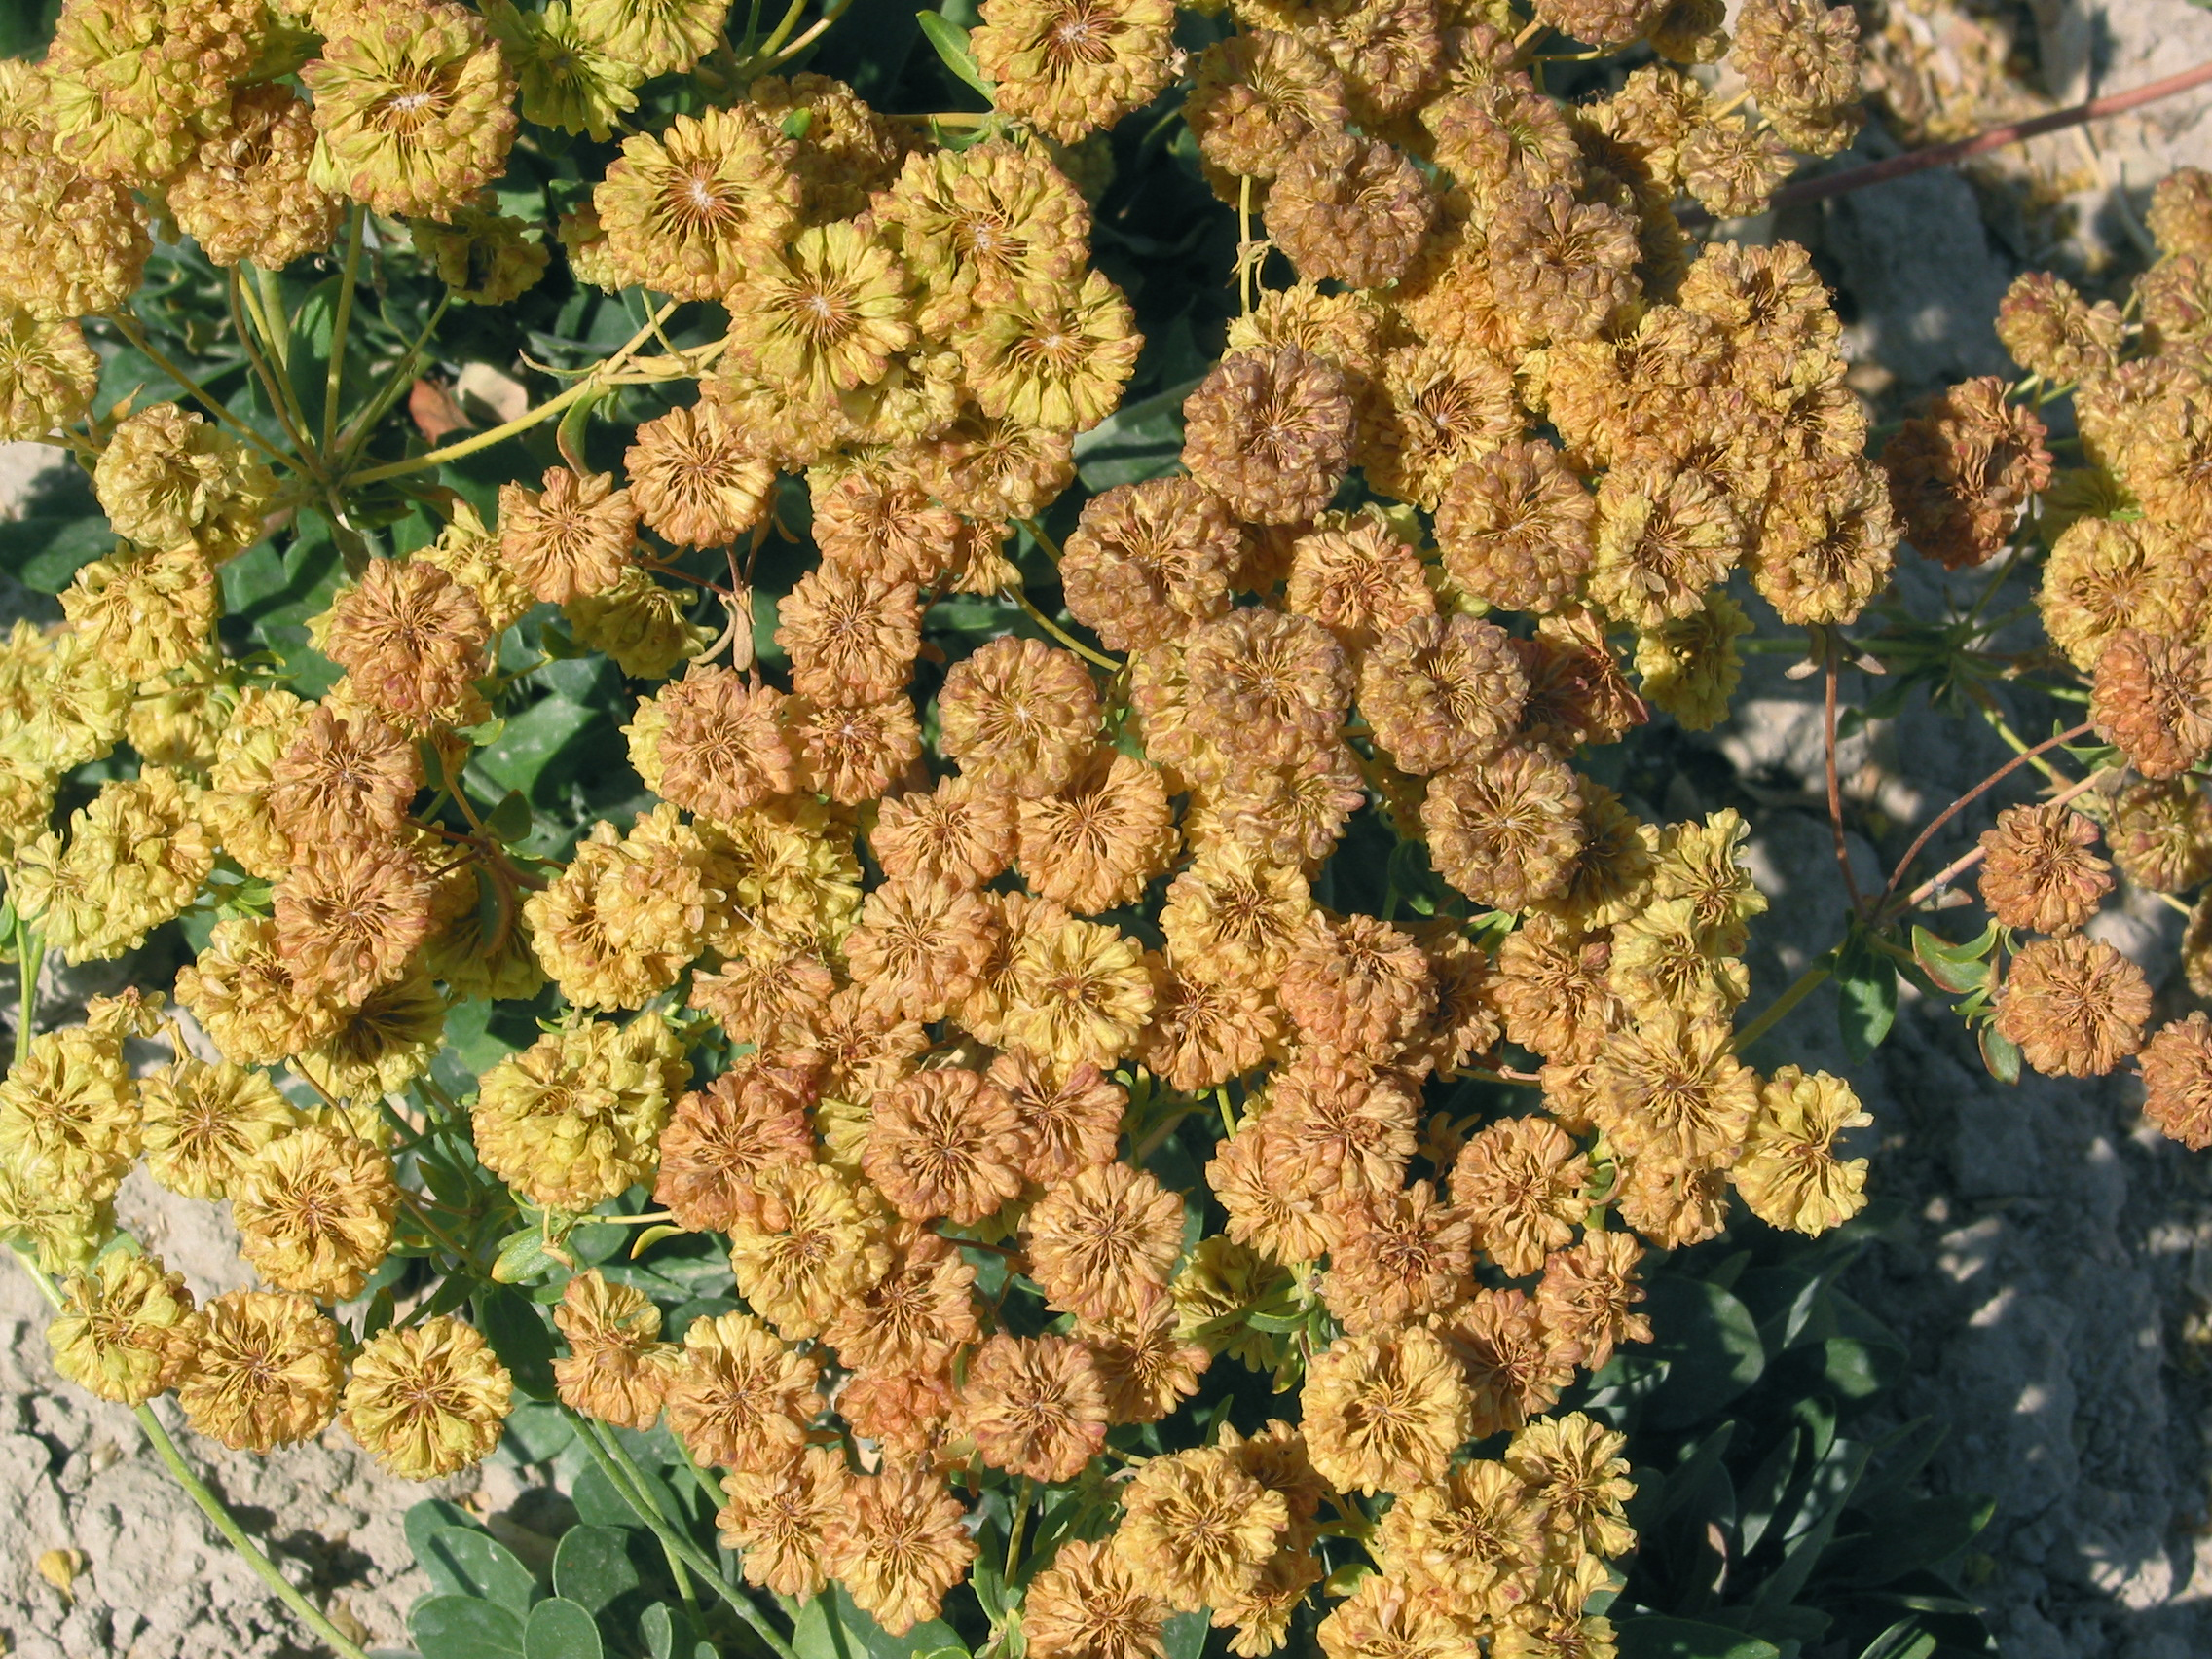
212,1506
1803,987
335,373
264,1569
1058,633
590,385
402,377
1016,1528
131,332
31,962
242,303
268,312
674,1543
622,1474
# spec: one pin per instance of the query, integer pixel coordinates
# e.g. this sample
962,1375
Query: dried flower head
430,1400
2075,1006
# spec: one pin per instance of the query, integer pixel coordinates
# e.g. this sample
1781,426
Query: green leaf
1866,995
532,742
512,819
592,1565
461,1627
516,1330
1911,1537
1651,1637
559,1629
599,1504
428,1516
46,553
1185,1635
1711,1347
1957,969
538,1432
1999,1054
524,1256
461,1561
951,43
831,1626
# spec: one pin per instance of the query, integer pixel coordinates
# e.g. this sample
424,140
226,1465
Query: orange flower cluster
929,958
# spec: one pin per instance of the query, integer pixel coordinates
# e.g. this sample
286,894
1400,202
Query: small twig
1996,138
1976,793
1966,861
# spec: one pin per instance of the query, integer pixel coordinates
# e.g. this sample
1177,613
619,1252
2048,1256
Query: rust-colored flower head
1150,560
1401,1257
1272,432
917,1315
712,743
779,1519
427,1401
1256,97
2177,1081
1790,1174
945,1143
1514,527
1588,1295
740,1399
1087,1605
1520,1183
265,1371
1197,1529
1961,473
1384,1413
351,914
719,1139
1102,1242
314,1211
2153,697
617,1369
1353,211
1733,168
2075,1006
1564,268
1266,685
1071,66
961,831
1607,23
1441,693
686,212
899,1544
1358,986
574,537
410,637
1357,576
852,637
412,105
1035,1406
1505,830
2038,872
1094,844
695,481
1019,714
2160,835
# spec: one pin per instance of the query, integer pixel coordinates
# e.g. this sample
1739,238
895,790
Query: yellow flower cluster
913,966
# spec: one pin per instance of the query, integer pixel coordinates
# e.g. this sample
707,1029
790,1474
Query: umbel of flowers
884,993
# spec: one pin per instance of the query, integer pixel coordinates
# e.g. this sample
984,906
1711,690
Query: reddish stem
1979,790
1996,138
